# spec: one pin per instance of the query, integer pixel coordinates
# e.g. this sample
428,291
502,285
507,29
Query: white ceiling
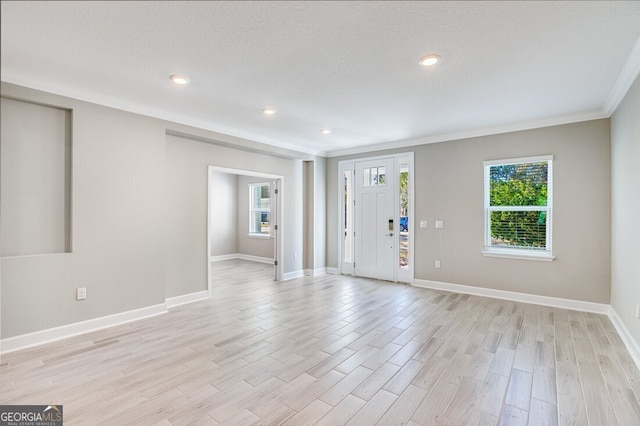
349,66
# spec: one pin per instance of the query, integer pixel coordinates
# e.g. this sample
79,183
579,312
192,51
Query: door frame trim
342,165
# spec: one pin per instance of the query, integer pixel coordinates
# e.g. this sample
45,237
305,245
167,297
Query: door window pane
375,176
382,176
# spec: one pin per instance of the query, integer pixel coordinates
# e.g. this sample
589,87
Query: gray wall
224,194
308,209
315,215
139,217
449,187
625,200
252,246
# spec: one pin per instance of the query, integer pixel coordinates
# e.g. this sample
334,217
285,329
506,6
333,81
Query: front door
375,227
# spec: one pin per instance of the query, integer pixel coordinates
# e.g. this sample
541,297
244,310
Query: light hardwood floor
336,350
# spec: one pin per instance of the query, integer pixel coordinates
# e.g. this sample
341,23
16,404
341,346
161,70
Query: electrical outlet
437,263
81,293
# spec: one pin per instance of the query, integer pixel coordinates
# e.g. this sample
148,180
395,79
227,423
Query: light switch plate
423,224
439,224
81,293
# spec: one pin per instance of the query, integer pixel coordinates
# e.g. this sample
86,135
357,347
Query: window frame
545,254
252,210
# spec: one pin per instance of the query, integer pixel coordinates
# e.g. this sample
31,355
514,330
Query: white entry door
375,227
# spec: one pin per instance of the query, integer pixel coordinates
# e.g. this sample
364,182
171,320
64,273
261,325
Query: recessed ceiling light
429,60
268,111
179,79
325,131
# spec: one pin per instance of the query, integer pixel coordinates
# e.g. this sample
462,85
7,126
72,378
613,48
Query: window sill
518,254
260,236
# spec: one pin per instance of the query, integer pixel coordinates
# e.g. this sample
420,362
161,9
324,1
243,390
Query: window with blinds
518,207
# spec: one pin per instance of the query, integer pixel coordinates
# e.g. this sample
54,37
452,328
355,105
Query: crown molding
474,133
627,77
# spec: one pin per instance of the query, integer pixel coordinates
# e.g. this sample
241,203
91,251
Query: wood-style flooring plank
512,416
374,409
433,407
543,414
403,408
571,403
344,387
341,413
309,414
464,400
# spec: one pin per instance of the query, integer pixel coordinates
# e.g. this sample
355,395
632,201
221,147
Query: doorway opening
244,218
376,196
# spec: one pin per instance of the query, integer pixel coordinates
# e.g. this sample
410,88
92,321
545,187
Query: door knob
390,234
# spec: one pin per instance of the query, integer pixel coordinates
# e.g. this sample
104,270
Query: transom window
260,208
518,207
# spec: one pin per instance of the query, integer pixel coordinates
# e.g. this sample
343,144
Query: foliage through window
260,208
518,205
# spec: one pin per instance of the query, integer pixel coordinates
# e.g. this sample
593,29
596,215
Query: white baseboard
41,337
333,271
241,256
172,302
223,257
255,258
291,275
315,272
556,302
629,342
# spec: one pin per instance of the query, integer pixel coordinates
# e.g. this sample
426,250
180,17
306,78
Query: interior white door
275,226
375,226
